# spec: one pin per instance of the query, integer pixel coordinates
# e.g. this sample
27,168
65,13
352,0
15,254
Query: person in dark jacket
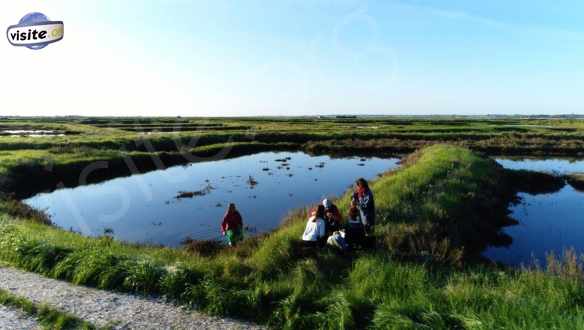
332,216
232,225
363,198
354,228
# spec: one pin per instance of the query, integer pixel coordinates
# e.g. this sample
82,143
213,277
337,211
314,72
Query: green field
118,141
435,214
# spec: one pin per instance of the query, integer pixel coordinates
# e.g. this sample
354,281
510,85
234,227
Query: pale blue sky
299,58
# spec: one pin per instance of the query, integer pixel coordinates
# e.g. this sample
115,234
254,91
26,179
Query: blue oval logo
35,31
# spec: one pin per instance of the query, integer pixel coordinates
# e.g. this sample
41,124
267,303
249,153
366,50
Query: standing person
332,216
232,225
315,231
363,197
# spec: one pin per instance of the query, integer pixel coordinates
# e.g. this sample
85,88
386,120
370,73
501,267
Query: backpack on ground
338,241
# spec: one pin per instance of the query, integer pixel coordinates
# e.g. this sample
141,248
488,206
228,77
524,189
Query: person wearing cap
332,216
232,225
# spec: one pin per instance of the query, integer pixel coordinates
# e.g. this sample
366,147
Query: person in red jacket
232,225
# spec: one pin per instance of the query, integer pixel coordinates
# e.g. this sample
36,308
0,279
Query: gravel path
12,319
103,308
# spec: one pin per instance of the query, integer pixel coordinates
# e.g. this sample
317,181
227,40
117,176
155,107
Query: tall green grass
48,317
434,214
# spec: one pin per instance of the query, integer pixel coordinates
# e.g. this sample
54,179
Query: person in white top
315,227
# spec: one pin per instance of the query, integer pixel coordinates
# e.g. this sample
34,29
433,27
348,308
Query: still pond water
144,208
265,186
547,222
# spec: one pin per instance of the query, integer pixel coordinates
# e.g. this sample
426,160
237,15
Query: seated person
332,216
315,231
355,229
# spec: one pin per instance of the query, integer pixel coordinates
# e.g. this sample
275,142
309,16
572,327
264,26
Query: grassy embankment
433,216
47,317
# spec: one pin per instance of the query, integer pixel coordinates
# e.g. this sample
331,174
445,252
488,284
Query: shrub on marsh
144,277
205,248
18,209
91,265
214,296
175,282
38,256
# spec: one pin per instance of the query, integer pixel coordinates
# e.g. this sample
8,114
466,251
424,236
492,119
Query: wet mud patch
197,193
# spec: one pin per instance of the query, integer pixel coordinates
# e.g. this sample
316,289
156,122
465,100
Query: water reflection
164,207
549,222
550,165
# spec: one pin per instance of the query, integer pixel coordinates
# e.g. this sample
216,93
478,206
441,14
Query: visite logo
35,31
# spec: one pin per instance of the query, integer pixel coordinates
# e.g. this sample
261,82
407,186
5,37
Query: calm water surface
144,208
550,165
547,222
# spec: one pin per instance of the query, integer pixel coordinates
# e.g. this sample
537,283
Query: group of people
325,224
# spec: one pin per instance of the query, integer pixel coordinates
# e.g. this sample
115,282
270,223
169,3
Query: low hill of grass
434,215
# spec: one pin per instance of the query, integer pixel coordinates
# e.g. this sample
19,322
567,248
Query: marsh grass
21,157
47,317
434,214
17,209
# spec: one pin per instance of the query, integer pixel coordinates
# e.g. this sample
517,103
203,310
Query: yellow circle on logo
57,33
